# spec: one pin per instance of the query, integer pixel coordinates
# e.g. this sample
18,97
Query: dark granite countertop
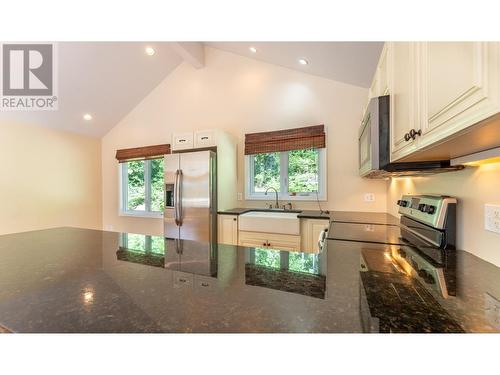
77,280
340,216
301,214
364,217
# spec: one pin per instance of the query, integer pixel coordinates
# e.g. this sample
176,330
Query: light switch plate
369,197
492,217
240,196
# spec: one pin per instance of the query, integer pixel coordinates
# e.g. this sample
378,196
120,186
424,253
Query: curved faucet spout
277,205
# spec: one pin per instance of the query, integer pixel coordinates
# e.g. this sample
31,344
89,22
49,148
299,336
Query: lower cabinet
307,242
227,228
270,240
311,229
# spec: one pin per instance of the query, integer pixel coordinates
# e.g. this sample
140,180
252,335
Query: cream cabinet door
310,229
459,87
404,98
380,83
228,229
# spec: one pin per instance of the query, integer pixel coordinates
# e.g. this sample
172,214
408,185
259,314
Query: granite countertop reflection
78,280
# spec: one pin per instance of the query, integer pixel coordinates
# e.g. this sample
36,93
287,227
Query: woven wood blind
285,140
142,153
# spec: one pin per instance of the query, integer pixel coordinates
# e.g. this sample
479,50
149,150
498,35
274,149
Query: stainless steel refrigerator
191,196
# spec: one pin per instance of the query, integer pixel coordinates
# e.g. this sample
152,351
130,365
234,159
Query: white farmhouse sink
270,222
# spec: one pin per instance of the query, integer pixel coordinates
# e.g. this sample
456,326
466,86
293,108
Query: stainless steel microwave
375,148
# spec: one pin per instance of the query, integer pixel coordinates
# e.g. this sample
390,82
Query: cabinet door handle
407,137
413,133
264,244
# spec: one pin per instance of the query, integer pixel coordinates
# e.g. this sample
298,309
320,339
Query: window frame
250,194
123,197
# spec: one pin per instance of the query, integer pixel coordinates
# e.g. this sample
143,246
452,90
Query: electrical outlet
240,196
369,197
492,218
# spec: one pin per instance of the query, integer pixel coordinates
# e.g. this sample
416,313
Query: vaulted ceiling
108,79
103,79
348,62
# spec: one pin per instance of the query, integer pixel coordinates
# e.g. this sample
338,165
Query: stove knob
431,209
402,203
422,207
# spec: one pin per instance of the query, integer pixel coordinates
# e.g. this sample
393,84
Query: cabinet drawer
205,138
182,141
270,240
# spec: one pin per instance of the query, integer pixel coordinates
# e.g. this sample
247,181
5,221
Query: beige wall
242,95
48,178
474,187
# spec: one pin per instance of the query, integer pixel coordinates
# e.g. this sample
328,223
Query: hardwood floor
4,330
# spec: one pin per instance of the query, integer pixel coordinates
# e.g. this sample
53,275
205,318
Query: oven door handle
322,238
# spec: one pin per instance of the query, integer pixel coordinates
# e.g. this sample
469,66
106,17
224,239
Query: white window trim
122,178
323,178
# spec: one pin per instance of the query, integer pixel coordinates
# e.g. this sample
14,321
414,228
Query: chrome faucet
276,192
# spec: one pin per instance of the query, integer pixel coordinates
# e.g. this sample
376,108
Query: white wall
474,187
48,178
241,96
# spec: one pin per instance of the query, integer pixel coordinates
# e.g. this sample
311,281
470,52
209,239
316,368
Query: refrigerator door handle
176,198
179,197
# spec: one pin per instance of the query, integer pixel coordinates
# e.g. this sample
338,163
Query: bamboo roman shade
285,140
142,153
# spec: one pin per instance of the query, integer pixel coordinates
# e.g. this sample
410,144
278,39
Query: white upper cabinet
437,90
380,84
459,87
403,100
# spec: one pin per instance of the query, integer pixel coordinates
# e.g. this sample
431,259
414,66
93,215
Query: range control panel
428,209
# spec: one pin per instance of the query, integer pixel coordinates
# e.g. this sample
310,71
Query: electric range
421,246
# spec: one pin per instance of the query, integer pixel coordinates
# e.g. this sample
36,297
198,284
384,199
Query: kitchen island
78,280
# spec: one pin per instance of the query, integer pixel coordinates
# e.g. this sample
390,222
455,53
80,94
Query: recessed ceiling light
150,51
87,117
303,62
253,49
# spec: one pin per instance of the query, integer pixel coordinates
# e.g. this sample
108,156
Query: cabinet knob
413,133
234,219
407,137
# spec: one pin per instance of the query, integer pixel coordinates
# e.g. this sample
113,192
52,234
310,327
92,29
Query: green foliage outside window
302,169
297,262
138,182
136,188
267,258
157,185
266,171
302,262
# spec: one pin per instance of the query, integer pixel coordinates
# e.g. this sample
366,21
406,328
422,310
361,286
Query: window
143,243
296,175
142,188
